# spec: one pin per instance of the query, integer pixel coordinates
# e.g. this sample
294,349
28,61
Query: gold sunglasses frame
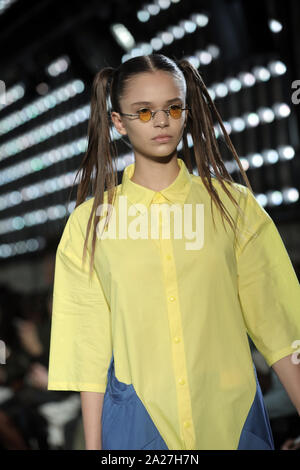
167,111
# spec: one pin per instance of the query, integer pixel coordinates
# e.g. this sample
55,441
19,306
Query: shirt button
186,424
181,381
176,339
172,298
169,257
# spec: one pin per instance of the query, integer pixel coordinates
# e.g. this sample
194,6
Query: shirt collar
176,192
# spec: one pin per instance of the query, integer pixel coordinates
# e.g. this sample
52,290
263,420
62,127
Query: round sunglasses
145,114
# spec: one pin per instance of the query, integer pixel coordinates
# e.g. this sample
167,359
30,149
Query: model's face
157,88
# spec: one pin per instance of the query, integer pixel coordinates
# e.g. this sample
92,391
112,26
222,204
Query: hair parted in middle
98,170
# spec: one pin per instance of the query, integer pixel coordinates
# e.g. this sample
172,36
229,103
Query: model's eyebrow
149,102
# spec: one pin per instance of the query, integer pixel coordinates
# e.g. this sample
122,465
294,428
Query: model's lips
162,138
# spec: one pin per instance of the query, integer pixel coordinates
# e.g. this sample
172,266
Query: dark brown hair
98,166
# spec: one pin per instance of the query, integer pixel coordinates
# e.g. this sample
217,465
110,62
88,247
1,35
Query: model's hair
98,169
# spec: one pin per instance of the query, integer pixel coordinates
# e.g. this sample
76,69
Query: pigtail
97,171
200,123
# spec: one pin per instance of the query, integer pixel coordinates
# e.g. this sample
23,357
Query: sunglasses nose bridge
165,111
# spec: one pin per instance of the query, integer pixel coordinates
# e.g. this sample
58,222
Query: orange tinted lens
175,112
145,114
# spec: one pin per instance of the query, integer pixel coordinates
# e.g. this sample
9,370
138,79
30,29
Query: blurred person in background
25,328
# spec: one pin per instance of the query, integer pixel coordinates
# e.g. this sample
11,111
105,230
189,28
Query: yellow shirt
175,310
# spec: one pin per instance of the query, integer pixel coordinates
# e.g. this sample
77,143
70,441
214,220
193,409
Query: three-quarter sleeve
268,287
80,343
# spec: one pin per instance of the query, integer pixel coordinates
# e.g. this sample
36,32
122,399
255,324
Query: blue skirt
127,425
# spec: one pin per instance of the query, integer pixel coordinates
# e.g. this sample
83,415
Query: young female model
153,331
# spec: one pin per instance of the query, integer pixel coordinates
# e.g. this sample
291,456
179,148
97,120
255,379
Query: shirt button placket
177,345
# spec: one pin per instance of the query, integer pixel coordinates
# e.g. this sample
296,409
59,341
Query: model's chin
168,144
164,151
158,150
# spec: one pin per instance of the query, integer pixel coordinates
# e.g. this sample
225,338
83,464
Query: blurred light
256,160
251,119
188,25
231,166
245,164
5,4
213,50
237,124
42,88
227,127
281,110
13,94
143,16
200,19
29,219
194,61
136,51
277,67
153,9
217,130
266,115
164,4
261,73
58,66
220,89
156,43
262,199
40,106
166,37
212,93
177,31
233,84
146,48
275,26
205,57
125,57
247,79
275,198
43,132
286,152
123,36
270,156
290,195
39,189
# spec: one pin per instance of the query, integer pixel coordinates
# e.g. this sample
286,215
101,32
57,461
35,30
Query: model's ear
118,123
